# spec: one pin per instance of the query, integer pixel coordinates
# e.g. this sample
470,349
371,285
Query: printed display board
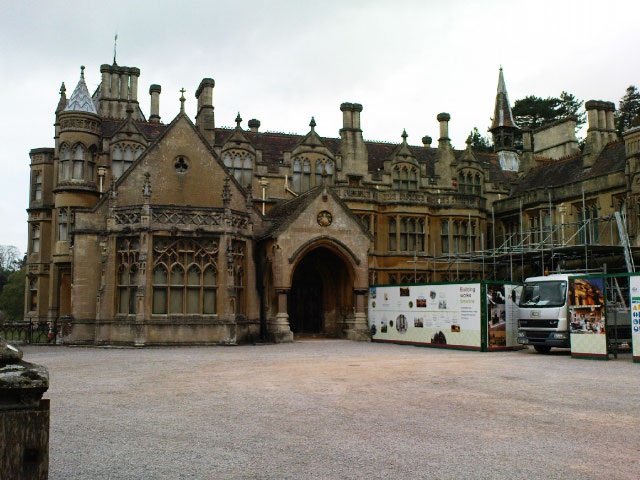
587,325
634,291
445,315
502,317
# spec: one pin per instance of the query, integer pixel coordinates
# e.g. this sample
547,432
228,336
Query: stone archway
321,296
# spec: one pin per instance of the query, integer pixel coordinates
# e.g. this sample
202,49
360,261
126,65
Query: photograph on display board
401,323
587,305
496,316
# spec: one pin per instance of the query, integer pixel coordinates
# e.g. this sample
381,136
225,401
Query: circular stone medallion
324,218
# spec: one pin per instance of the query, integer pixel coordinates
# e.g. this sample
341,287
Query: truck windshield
543,294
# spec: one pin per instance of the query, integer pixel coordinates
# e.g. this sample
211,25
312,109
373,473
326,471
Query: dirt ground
331,409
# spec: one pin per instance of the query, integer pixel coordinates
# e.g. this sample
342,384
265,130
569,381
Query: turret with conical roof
504,128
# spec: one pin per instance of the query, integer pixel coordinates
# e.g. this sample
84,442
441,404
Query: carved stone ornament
324,218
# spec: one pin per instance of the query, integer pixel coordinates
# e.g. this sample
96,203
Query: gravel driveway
332,409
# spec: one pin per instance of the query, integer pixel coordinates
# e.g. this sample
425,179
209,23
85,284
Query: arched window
247,170
117,162
404,179
35,239
128,158
189,286
413,180
237,167
91,165
228,161
461,183
392,234
476,185
297,176
456,237
396,179
306,175
469,183
403,234
238,276
127,288
318,168
37,186
444,236
328,167
138,152
78,163
411,230
63,225
65,160
420,236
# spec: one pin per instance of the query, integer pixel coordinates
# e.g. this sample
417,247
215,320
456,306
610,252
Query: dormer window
307,175
122,158
405,178
241,166
469,183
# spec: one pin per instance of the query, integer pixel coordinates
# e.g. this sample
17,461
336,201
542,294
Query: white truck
544,312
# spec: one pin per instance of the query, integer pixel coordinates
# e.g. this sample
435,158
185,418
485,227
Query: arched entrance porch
320,300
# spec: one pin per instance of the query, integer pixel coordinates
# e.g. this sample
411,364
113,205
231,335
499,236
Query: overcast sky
282,62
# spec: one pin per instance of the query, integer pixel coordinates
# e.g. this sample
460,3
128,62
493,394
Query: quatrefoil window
181,165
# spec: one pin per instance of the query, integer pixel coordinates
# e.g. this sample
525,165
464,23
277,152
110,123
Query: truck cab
544,312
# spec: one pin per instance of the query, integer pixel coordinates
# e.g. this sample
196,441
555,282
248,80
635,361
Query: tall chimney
444,141
154,91
426,141
254,125
205,120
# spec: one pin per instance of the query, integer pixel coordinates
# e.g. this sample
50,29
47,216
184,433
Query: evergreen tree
571,106
478,142
12,296
628,114
533,112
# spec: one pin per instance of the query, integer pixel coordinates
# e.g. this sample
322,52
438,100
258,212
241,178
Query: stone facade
145,233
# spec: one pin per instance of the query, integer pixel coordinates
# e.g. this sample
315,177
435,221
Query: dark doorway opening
321,294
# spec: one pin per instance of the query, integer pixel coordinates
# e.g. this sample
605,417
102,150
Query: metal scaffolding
587,246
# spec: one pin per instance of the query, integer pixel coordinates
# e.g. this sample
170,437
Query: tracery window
128,273
239,276
477,189
35,239
65,159
306,175
37,186
185,276
469,183
241,166
404,178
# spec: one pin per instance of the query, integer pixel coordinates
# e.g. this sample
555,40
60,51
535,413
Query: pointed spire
80,100
404,135
238,120
182,100
312,123
502,116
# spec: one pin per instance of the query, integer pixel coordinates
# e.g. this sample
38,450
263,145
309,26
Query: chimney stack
205,120
254,125
426,141
154,91
353,149
444,141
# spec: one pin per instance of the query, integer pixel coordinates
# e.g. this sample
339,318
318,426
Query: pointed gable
183,171
80,100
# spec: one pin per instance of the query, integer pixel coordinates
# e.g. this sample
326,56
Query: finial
312,123
182,100
404,135
63,89
238,120
82,72
115,42
146,186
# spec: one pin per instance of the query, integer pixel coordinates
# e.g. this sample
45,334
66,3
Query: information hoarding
587,323
634,290
444,315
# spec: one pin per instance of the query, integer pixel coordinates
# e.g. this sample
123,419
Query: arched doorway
321,294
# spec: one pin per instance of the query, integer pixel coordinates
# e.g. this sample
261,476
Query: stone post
356,328
24,417
278,328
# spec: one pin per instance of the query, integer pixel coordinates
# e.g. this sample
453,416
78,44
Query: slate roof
80,100
570,170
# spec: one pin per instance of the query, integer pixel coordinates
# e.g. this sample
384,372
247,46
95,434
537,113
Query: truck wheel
542,348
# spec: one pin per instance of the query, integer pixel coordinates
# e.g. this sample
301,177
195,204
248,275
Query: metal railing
32,332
